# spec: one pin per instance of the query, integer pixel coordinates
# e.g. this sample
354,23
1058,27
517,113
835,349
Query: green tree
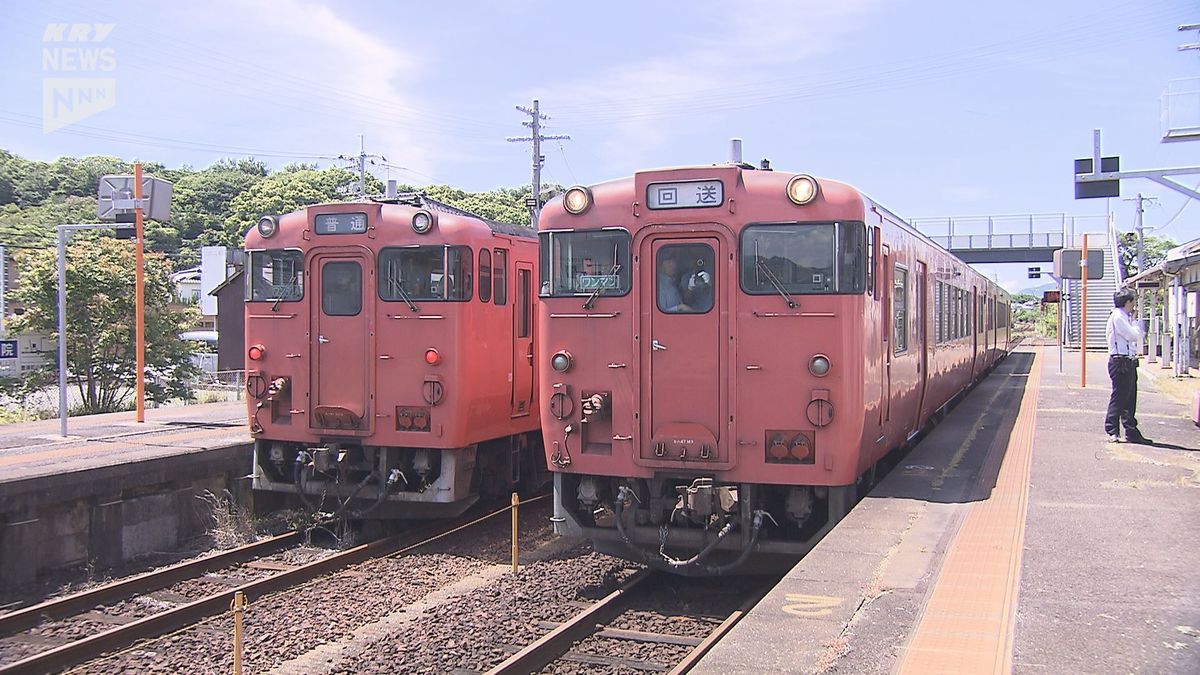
35,225
71,177
1155,251
101,324
284,192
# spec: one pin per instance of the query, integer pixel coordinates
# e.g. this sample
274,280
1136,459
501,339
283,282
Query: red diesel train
729,352
390,357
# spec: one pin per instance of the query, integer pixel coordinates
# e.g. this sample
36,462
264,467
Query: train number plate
685,195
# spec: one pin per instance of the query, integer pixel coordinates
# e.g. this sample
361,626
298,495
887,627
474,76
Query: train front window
420,273
275,276
804,258
586,263
341,288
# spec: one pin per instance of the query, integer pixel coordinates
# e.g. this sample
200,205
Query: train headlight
819,365
422,222
577,200
802,189
268,226
561,361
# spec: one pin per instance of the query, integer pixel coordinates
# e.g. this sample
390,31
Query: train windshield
420,273
804,258
594,262
275,276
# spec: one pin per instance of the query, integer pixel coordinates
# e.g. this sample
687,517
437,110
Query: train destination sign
340,223
685,194
604,282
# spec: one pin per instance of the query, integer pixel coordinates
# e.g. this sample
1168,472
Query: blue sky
932,108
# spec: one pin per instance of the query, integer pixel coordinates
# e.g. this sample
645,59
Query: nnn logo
75,62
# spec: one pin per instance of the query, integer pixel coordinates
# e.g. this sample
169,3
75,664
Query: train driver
670,297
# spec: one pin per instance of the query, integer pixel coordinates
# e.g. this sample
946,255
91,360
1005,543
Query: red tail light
256,352
432,357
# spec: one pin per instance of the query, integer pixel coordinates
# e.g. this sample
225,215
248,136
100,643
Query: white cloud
642,105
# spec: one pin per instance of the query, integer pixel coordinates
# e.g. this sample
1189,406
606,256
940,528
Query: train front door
682,298
342,330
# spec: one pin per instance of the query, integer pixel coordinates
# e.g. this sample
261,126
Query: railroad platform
1013,538
113,488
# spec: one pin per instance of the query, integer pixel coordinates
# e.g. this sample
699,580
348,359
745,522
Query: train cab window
900,310
485,275
341,288
500,277
275,276
872,242
426,273
684,278
804,258
585,263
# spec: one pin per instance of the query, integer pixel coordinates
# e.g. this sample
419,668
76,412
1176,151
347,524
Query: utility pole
360,163
535,126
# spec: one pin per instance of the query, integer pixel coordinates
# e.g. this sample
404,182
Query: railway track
188,612
634,614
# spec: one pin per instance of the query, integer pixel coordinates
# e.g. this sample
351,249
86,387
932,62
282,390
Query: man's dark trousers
1122,404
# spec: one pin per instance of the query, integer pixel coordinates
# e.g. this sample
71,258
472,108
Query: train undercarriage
699,526
345,479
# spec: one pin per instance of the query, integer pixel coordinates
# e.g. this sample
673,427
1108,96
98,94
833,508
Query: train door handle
322,339
529,355
657,346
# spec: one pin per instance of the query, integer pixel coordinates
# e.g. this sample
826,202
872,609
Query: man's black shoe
1136,437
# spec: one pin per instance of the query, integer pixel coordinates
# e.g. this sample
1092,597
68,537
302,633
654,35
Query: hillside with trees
210,206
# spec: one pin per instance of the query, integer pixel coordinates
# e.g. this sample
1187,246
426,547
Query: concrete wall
102,517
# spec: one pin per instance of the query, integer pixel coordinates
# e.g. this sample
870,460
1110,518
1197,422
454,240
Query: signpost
127,199
121,199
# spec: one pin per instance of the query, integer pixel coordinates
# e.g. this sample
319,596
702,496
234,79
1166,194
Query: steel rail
182,616
719,632
61,608
551,646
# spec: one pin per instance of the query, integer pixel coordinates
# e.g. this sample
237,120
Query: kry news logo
76,49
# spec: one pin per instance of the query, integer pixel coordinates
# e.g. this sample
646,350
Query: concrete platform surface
35,449
1013,538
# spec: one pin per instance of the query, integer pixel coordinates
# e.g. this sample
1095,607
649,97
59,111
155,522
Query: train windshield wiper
766,271
596,293
404,296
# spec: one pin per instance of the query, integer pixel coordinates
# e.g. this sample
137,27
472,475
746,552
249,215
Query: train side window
461,265
485,275
872,242
500,277
524,293
937,312
341,288
900,310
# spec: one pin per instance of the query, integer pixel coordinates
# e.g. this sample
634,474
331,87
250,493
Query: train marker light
802,189
819,365
561,361
268,226
422,222
432,357
577,200
256,352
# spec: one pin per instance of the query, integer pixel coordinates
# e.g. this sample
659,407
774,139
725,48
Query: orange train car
728,353
390,357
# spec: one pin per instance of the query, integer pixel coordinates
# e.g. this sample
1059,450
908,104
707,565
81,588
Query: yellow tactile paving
967,625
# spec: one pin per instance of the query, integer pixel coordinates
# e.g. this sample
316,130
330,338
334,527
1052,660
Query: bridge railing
1030,231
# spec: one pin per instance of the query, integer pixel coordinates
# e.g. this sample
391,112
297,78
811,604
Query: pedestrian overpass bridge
1012,239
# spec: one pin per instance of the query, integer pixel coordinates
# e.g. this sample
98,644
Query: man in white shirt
1124,336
